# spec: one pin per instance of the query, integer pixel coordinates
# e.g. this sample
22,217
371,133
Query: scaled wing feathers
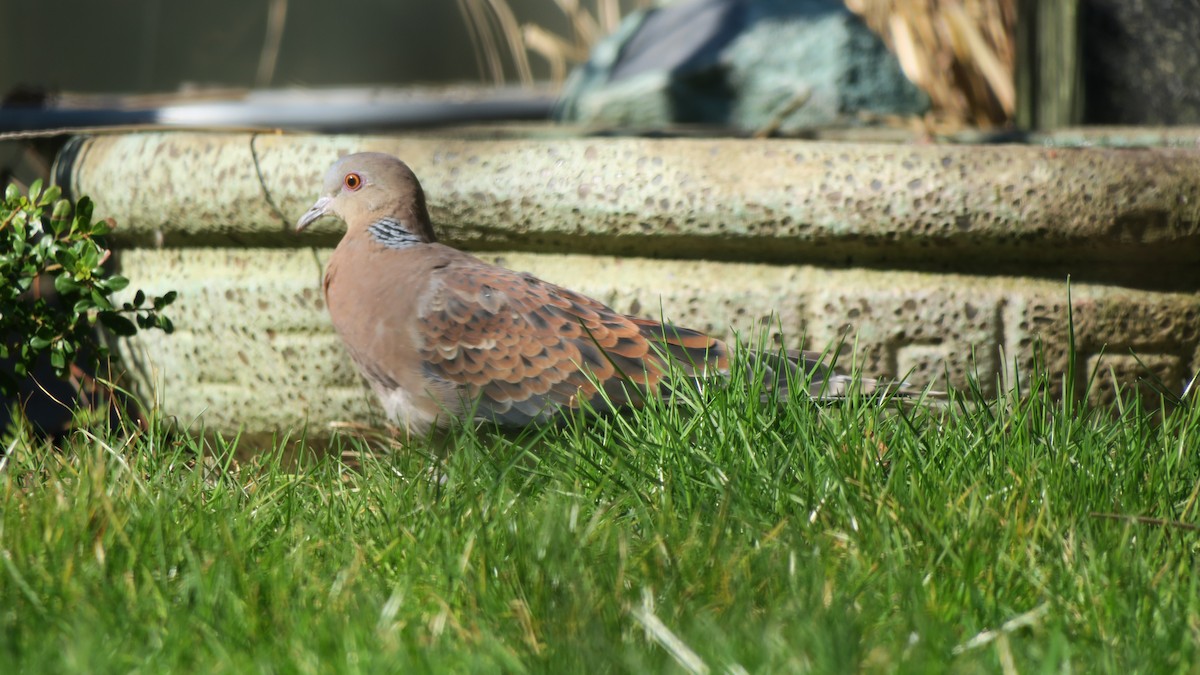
523,349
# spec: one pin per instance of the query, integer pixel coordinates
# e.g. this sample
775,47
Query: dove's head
368,189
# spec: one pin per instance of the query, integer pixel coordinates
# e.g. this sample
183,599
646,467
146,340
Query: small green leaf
138,298
118,324
83,210
65,284
116,283
35,191
65,257
60,216
165,299
100,302
90,258
38,342
12,193
58,360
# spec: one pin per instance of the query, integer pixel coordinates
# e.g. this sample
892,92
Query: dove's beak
318,209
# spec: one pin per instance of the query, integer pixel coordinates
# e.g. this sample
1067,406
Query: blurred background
982,63
142,46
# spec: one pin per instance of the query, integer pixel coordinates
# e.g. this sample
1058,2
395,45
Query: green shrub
66,248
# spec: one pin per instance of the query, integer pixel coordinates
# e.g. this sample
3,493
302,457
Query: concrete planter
930,259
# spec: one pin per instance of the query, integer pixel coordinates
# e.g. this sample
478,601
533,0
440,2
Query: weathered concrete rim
1129,216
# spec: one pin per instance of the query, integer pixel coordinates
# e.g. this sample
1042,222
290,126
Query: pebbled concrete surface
1129,216
932,260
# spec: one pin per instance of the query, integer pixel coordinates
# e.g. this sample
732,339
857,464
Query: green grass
719,535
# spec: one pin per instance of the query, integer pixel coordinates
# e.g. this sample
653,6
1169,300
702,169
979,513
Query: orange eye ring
353,181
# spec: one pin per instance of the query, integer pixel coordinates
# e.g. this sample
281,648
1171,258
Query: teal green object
745,64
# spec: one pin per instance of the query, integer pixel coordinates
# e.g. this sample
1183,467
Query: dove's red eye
353,181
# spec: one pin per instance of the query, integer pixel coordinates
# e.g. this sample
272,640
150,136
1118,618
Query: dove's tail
782,371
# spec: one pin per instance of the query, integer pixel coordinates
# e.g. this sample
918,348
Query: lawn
716,535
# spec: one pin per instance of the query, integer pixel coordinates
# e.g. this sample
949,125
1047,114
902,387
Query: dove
442,336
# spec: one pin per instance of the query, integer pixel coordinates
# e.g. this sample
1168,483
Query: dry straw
491,22
960,52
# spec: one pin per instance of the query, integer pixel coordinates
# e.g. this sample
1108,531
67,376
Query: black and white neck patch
392,233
